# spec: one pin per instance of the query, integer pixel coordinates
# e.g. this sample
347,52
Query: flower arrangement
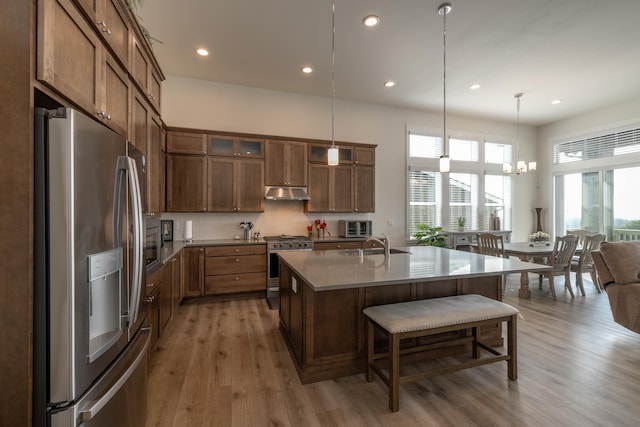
320,225
539,236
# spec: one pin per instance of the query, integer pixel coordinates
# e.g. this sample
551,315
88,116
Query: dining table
528,252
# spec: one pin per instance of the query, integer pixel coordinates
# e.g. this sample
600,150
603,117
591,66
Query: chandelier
521,165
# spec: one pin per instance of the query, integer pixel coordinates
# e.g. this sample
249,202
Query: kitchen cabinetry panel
109,19
365,156
235,264
318,153
330,246
235,185
224,145
193,272
186,183
286,163
115,99
70,54
186,143
364,189
330,188
233,283
235,268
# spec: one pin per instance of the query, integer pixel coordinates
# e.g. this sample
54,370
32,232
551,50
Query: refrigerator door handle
138,230
127,166
89,413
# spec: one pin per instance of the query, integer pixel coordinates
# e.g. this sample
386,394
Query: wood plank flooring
226,364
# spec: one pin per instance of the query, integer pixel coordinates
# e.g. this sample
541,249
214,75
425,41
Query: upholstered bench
433,316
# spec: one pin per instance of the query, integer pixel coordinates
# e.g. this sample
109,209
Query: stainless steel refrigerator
90,345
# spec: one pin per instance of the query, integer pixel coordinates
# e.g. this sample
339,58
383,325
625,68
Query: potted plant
461,222
430,236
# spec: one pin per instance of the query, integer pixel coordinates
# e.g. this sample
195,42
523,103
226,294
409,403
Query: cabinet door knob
237,260
151,298
237,278
237,250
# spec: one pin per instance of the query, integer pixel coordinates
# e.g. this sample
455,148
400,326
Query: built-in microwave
153,244
354,228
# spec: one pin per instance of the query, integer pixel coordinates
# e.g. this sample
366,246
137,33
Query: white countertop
330,270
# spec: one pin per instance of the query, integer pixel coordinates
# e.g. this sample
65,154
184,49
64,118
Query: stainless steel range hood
286,193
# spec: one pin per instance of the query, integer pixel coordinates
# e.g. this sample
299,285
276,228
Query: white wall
214,106
596,121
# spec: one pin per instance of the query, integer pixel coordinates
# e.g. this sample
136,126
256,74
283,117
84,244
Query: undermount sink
373,251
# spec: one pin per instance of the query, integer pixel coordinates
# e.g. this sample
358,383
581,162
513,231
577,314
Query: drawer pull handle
237,260
151,298
237,278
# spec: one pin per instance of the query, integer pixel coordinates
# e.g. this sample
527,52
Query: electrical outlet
390,222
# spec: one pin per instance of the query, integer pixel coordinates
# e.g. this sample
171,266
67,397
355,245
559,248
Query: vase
538,212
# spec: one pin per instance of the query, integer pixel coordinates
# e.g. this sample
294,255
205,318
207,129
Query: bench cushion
437,312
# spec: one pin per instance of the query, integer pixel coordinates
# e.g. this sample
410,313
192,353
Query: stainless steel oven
276,244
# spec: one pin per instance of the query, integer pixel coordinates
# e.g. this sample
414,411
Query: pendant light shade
333,157
445,164
445,161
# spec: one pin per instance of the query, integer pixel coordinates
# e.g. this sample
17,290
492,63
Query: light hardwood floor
226,364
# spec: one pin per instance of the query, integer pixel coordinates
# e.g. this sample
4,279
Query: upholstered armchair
618,267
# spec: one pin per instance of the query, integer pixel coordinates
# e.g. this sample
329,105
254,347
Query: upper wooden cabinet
70,54
235,185
144,73
318,153
84,52
235,146
109,18
286,163
330,189
186,183
364,181
186,142
365,156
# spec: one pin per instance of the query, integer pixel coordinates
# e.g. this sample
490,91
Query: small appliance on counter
354,228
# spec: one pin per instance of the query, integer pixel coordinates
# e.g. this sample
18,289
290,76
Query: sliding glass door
603,201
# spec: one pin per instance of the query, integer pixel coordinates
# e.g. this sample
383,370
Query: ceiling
584,52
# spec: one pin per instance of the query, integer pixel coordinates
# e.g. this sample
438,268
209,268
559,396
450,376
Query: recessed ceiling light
556,102
389,84
202,52
474,86
307,70
371,21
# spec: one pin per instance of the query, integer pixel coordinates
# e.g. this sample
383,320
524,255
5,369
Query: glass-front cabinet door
223,145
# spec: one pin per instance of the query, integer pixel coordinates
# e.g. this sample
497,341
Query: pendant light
521,165
333,157
445,161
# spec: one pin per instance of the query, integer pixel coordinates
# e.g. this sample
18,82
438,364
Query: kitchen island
323,293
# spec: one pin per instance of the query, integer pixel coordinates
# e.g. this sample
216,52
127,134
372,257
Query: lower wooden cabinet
235,268
192,272
332,246
154,304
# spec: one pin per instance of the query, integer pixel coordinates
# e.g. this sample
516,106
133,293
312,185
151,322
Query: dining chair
584,263
560,260
492,244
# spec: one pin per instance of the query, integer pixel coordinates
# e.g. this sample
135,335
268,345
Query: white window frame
480,168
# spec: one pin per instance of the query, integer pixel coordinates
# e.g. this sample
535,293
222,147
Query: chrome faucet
386,244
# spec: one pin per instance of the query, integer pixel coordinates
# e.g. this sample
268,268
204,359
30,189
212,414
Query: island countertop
344,269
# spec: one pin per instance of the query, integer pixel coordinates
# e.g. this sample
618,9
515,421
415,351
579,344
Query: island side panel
325,330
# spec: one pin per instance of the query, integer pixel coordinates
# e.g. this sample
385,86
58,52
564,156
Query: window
602,201
475,189
594,183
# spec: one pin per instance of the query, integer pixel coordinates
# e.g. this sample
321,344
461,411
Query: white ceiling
585,52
